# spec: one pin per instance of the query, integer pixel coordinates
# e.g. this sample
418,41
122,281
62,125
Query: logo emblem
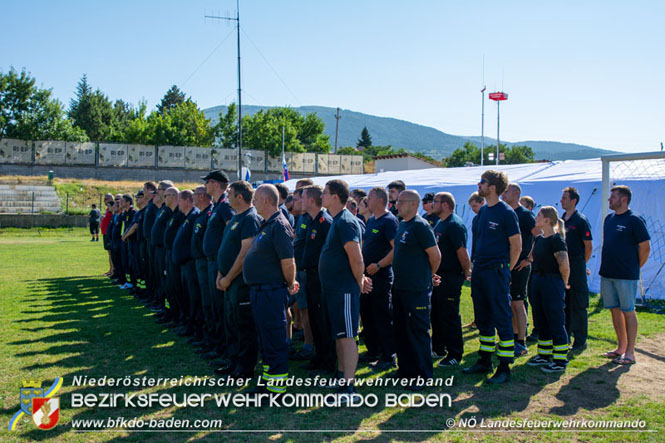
47,412
404,234
235,225
375,231
313,236
29,390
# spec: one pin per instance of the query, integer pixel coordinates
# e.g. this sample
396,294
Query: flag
286,170
248,175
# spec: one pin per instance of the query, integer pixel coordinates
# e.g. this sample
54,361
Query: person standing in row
497,247
626,247
319,222
173,287
580,247
548,291
216,183
519,275
157,241
238,238
416,259
376,307
283,194
428,215
451,237
341,270
394,189
106,234
149,191
270,271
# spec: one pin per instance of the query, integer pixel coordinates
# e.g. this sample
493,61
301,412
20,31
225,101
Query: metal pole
283,157
498,142
337,117
33,202
239,94
605,188
482,130
67,205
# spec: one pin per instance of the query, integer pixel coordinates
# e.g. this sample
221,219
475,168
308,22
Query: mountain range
414,137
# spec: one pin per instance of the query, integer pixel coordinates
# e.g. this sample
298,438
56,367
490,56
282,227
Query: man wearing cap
431,218
451,237
239,321
216,183
202,200
376,309
270,271
173,277
416,259
190,297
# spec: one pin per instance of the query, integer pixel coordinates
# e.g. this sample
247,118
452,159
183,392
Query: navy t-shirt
543,253
410,261
138,221
474,234
527,222
273,243
241,227
116,234
577,231
334,267
200,224
451,234
496,224
157,232
219,217
172,226
431,219
621,236
301,238
149,219
315,237
379,232
287,214
182,243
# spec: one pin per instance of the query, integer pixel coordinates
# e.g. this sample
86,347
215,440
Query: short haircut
475,197
94,206
270,192
165,184
177,191
289,200
397,184
283,190
530,202
351,202
201,190
298,191
304,182
128,198
380,193
315,192
186,195
339,188
447,198
150,186
498,179
573,194
244,189
516,186
623,191
358,193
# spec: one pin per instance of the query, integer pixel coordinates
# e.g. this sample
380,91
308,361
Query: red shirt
105,221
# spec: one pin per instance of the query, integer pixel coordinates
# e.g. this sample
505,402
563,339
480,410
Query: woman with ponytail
548,289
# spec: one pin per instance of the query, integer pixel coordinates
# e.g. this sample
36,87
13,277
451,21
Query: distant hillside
413,137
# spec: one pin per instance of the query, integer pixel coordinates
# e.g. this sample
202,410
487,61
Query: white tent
544,182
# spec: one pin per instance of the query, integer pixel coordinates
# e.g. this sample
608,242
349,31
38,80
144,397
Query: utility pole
337,117
482,129
498,97
237,20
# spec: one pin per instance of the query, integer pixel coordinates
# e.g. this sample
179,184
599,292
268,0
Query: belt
266,286
312,271
547,274
494,266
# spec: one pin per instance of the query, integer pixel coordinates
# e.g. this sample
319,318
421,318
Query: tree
29,113
470,153
171,99
226,130
93,112
365,139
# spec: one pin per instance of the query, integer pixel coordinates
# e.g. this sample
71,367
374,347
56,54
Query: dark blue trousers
446,320
548,307
376,312
269,304
206,300
317,309
191,294
490,291
577,301
217,299
414,347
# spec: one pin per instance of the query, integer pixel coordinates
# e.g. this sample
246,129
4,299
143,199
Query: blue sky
588,72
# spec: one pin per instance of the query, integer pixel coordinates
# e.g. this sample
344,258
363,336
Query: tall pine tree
365,140
171,100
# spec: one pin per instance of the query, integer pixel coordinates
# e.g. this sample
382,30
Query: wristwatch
378,266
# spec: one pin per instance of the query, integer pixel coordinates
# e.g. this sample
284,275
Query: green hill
414,137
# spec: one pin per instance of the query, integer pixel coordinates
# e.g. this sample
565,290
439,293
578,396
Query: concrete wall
42,220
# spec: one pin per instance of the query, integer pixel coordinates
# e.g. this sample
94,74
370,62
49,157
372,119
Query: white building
400,162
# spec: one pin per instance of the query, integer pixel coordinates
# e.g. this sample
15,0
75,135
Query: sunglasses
482,180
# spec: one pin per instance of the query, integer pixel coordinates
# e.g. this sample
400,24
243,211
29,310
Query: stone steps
15,198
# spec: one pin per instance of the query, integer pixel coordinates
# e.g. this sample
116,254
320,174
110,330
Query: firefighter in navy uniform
496,251
216,183
238,237
269,270
189,298
394,189
580,247
173,278
157,241
376,307
202,200
428,215
416,259
149,193
132,239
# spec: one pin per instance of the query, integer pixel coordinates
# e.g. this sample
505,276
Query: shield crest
47,412
27,394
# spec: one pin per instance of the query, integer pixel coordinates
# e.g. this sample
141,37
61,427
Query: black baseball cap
217,175
427,198
140,192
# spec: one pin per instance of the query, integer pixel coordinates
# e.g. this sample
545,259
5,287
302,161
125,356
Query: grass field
59,317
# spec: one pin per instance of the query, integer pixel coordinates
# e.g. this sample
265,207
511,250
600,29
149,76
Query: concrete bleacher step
16,198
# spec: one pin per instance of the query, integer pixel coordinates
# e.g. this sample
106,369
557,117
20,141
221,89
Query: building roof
403,155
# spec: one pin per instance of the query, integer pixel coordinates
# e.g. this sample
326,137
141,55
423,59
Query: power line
206,59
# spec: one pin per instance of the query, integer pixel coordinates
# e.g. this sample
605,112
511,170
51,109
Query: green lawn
59,317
